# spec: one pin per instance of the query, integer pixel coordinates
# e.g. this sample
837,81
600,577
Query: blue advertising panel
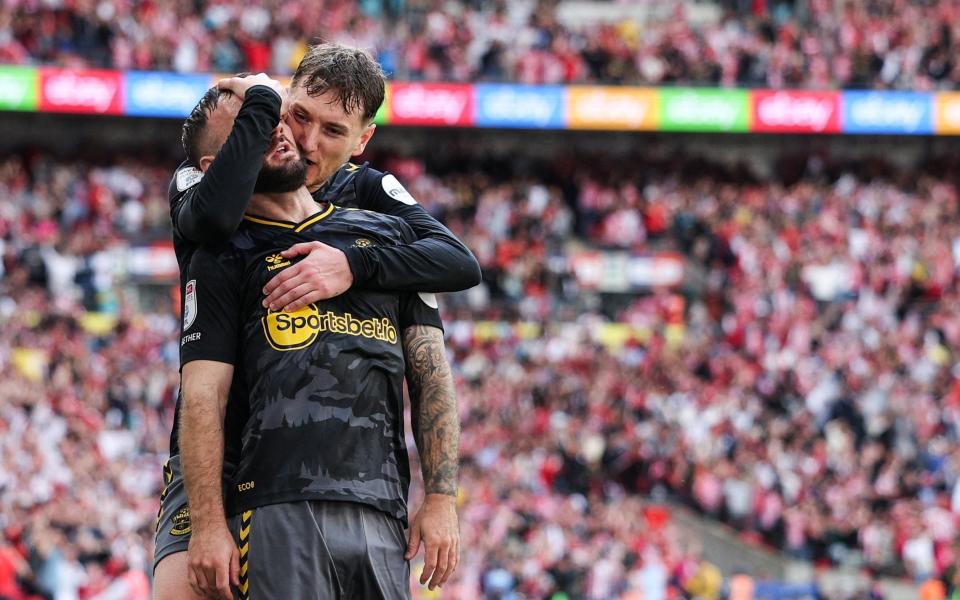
536,107
777,590
159,94
887,112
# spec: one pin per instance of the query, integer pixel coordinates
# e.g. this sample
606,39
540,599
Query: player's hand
438,527
324,273
213,563
239,86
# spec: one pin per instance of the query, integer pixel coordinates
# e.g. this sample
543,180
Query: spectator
902,44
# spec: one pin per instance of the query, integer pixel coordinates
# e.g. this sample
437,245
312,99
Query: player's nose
306,138
280,131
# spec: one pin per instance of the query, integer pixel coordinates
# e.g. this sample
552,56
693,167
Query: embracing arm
436,429
436,262
431,258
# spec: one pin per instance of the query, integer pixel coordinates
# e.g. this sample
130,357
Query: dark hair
351,73
196,123
192,134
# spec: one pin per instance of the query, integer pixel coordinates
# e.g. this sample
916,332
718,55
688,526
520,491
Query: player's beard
284,178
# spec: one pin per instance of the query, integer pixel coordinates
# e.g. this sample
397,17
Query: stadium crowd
902,44
799,385
812,397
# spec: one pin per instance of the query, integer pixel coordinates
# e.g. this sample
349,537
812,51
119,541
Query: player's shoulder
354,215
185,178
362,186
373,223
225,261
244,242
384,183
341,188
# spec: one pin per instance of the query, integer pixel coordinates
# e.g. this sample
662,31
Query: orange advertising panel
609,107
947,113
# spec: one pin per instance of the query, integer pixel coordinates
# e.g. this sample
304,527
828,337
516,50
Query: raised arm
207,205
436,429
213,558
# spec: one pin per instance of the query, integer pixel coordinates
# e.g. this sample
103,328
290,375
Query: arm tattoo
433,403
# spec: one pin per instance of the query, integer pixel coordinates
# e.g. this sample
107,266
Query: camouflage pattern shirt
321,387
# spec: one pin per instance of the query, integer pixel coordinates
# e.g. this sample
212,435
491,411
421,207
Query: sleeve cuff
265,93
359,266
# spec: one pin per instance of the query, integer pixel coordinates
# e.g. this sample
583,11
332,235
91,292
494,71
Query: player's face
283,170
326,134
282,148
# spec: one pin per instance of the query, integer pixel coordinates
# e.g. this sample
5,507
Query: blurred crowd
85,386
800,384
901,44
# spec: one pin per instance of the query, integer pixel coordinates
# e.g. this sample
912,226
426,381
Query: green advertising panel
381,117
704,110
18,88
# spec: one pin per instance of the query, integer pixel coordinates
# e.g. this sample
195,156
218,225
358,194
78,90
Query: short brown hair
196,124
350,73
192,136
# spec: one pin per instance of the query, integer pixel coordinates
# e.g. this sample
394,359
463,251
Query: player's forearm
434,264
201,453
213,212
436,427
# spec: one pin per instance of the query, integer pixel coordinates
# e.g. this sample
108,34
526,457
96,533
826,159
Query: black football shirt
322,386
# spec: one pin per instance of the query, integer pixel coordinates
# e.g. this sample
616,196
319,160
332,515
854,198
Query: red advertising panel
441,104
81,91
795,111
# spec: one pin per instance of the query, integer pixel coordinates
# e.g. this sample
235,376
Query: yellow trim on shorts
167,479
246,522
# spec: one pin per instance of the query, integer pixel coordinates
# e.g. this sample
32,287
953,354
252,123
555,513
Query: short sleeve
419,308
211,311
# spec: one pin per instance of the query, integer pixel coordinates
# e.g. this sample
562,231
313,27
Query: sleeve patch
429,299
189,304
187,178
395,190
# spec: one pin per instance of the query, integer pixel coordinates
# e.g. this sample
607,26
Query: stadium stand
798,384
819,44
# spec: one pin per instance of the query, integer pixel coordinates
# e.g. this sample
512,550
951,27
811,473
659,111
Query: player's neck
292,206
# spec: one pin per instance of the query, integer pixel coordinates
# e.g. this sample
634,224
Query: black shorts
321,549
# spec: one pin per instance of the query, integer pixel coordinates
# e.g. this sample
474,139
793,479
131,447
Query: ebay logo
81,91
430,104
796,111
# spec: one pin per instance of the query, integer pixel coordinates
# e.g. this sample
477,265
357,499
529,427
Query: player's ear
205,162
364,140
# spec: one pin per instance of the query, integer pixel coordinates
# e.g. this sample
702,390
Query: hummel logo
277,261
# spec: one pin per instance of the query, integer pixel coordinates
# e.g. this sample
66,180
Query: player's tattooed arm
433,401
436,429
